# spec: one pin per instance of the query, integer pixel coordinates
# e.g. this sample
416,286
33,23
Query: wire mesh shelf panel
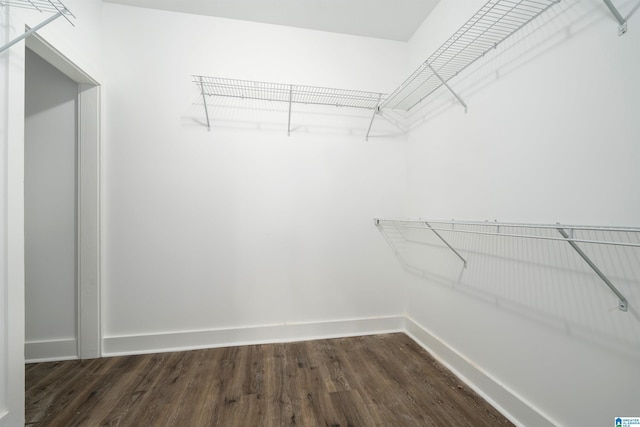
39,5
492,24
48,6
218,86
520,230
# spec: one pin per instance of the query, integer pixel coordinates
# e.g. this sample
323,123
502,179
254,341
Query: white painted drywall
243,226
551,135
50,205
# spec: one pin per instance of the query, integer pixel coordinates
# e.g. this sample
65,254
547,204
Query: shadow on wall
544,281
549,31
273,117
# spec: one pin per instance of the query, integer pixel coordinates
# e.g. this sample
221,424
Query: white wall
551,135
80,45
50,211
242,226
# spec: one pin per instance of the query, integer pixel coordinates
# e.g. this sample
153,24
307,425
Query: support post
448,87
376,110
204,100
290,101
31,31
447,243
622,304
622,28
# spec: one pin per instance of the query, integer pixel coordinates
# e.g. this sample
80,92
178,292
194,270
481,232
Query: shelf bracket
376,110
622,304
204,101
447,86
32,30
447,243
290,101
622,27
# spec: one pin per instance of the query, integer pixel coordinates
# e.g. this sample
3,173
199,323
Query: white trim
189,340
51,351
512,406
53,56
88,223
14,205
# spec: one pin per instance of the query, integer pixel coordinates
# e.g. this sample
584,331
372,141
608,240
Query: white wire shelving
287,93
565,233
56,8
490,26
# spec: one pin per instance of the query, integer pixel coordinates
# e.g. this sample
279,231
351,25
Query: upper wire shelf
49,6
492,24
291,94
218,86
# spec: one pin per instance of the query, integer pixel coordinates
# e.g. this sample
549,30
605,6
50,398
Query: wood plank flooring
380,380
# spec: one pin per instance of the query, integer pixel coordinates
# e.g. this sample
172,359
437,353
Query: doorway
62,207
50,178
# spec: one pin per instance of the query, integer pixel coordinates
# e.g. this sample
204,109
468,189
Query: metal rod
290,101
448,87
204,100
375,111
448,245
31,31
622,28
615,12
622,304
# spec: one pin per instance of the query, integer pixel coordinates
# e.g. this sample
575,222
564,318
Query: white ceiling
386,19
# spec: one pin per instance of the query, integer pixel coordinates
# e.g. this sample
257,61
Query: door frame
89,333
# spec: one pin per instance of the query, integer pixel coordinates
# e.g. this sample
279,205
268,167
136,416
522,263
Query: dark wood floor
381,380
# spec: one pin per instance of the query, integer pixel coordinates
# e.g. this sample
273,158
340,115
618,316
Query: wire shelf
566,233
506,229
492,24
48,6
217,86
54,7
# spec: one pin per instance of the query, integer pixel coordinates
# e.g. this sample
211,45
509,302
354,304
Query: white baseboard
50,351
189,340
503,399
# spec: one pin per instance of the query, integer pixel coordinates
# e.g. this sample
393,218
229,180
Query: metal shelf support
375,111
54,6
445,84
290,99
447,243
206,110
622,27
622,304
